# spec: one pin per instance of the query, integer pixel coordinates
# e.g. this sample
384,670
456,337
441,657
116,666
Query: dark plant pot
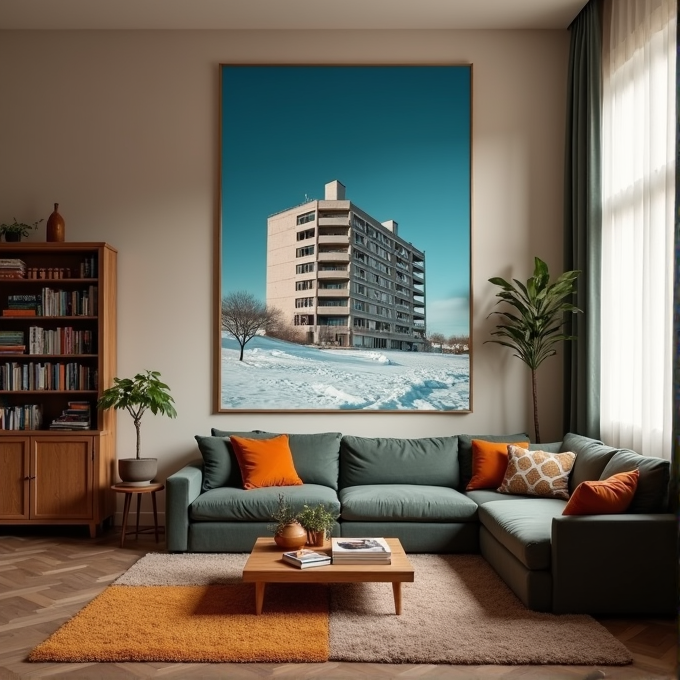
137,471
12,237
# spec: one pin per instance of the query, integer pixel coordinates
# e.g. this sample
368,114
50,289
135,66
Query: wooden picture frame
343,246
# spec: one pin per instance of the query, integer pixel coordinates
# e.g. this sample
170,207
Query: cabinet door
61,478
14,474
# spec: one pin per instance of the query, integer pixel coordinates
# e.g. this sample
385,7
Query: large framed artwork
344,239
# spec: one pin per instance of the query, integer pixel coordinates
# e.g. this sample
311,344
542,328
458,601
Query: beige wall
121,128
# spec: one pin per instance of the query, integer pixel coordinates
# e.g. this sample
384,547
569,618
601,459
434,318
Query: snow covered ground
281,375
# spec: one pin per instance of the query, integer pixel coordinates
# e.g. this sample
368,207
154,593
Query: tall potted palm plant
533,329
137,395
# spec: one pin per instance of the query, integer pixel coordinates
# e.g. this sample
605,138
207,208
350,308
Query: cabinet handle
26,478
32,477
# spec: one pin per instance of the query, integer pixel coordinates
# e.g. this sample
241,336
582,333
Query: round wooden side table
129,491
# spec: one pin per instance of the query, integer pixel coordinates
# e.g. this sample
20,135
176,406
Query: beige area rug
457,611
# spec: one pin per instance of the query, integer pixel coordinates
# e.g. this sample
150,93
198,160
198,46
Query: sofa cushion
591,458
605,497
652,489
406,503
537,473
431,461
265,462
481,496
220,467
489,463
465,451
230,504
523,527
316,456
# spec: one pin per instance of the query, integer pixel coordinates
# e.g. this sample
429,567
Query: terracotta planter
291,537
316,539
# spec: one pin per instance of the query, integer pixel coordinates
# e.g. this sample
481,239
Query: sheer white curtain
638,183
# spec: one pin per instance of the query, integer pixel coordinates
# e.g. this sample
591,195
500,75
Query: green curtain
583,220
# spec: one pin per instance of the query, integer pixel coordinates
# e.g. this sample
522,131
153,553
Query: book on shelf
75,417
12,349
360,551
12,268
19,312
306,558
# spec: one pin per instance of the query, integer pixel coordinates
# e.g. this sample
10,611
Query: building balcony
418,278
335,274
339,221
332,292
333,257
333,310
334,239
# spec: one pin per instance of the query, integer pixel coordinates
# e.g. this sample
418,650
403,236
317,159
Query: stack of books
360,551
306,558
75,417
12,268
22,305
12,342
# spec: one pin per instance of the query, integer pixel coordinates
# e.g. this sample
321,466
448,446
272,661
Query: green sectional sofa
415,490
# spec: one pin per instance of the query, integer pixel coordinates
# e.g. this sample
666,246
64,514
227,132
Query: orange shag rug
207,623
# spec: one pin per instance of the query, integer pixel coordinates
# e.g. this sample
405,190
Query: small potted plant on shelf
137,395
15,230
288,532
317,522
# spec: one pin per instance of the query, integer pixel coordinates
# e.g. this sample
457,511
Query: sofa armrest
615,564
181,489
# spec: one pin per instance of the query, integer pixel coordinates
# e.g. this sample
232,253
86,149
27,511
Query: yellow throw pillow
489,463
537,473
604,497
265,462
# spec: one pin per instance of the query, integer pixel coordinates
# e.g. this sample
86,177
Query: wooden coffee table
266,566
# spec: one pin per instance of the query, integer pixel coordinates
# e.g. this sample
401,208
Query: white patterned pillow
537,473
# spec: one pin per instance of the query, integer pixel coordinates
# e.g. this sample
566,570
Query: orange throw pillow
605,497
265,462
489,463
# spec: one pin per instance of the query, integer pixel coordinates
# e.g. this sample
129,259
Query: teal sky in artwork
397,137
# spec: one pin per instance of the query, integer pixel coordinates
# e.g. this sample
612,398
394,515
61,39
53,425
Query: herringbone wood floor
47,576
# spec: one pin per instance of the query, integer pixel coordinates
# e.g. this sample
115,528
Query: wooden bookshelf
58,476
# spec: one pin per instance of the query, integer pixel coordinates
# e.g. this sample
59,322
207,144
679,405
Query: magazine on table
306,558
359,547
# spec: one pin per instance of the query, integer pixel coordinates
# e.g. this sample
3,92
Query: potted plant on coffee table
144,392
318,522
288,532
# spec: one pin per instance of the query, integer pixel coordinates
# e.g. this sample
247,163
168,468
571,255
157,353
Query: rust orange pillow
489,463
605,497
265,462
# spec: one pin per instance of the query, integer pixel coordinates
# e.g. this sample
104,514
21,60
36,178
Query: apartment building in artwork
343,277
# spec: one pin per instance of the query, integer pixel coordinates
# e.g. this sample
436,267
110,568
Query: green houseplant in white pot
144,392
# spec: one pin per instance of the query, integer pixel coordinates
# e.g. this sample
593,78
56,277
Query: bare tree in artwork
243,316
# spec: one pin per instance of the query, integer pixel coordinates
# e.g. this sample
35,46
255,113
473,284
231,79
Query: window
304,252
303,320
306,217
638,195
304,302
304,235
304,268
307,284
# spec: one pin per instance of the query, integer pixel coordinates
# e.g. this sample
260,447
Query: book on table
360,551
305,558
